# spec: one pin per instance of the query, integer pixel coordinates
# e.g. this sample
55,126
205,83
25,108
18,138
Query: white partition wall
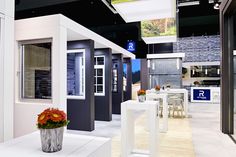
27,108
6,68
1,78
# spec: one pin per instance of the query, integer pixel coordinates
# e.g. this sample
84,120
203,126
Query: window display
36,73
124,77
205,71
99,75
76,73
165,71
115,76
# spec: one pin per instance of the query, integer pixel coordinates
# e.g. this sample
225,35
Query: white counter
73,146
205,94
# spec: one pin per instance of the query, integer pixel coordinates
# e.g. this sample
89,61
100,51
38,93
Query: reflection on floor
198,136
207,138
177,142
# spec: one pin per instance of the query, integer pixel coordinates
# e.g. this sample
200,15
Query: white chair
176,104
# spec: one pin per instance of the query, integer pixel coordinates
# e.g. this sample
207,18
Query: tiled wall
199,49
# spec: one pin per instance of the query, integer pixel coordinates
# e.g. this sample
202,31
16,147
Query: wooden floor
177,142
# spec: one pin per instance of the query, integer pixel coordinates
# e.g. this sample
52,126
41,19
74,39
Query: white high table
163,96
73,146
179,91
127,128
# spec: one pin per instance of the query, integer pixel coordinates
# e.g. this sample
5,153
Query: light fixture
139,10
177,63
216,4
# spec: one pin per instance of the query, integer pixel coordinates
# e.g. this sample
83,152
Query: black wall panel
103,104
128,92
118,96
81,113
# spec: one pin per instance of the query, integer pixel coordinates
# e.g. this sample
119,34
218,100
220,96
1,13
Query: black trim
227,8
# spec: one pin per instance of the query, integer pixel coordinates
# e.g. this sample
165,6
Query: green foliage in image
171,31
160,27
121,1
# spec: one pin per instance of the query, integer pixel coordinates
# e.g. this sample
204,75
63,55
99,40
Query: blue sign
131,46
202,94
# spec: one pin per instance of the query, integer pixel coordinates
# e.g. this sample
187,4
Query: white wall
25,115
6,69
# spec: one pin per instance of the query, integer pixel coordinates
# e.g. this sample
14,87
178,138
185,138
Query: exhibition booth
74,75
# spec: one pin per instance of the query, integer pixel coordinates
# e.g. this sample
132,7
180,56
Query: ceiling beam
28,4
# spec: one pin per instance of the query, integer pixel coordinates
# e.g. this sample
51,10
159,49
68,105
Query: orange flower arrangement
141,92
52,118
157,87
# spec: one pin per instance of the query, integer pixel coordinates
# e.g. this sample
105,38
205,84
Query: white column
7,70
59,72
1,78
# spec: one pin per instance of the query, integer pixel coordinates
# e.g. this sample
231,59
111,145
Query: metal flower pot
141,98
51,139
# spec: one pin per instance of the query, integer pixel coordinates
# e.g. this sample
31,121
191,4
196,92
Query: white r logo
131,45
201,93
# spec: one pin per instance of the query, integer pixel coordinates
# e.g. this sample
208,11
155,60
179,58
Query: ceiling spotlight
216,4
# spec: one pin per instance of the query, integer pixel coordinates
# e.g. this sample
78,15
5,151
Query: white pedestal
127,128
163,96
73,146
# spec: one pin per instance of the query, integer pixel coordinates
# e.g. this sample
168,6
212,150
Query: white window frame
21,72
82,73
103,75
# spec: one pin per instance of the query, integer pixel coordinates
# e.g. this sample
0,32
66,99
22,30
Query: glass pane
100,60
75,74
99,72
205,71
99,80
114,89
99,89
165,66
163,80
124,76
36,72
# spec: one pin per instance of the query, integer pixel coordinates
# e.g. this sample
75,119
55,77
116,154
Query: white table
127,128
179,91
73,146
163,96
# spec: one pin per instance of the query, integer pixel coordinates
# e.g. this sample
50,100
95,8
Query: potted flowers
196,83
51,123
141,95
157,88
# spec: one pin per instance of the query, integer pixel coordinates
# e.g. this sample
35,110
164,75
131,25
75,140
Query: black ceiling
94,14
